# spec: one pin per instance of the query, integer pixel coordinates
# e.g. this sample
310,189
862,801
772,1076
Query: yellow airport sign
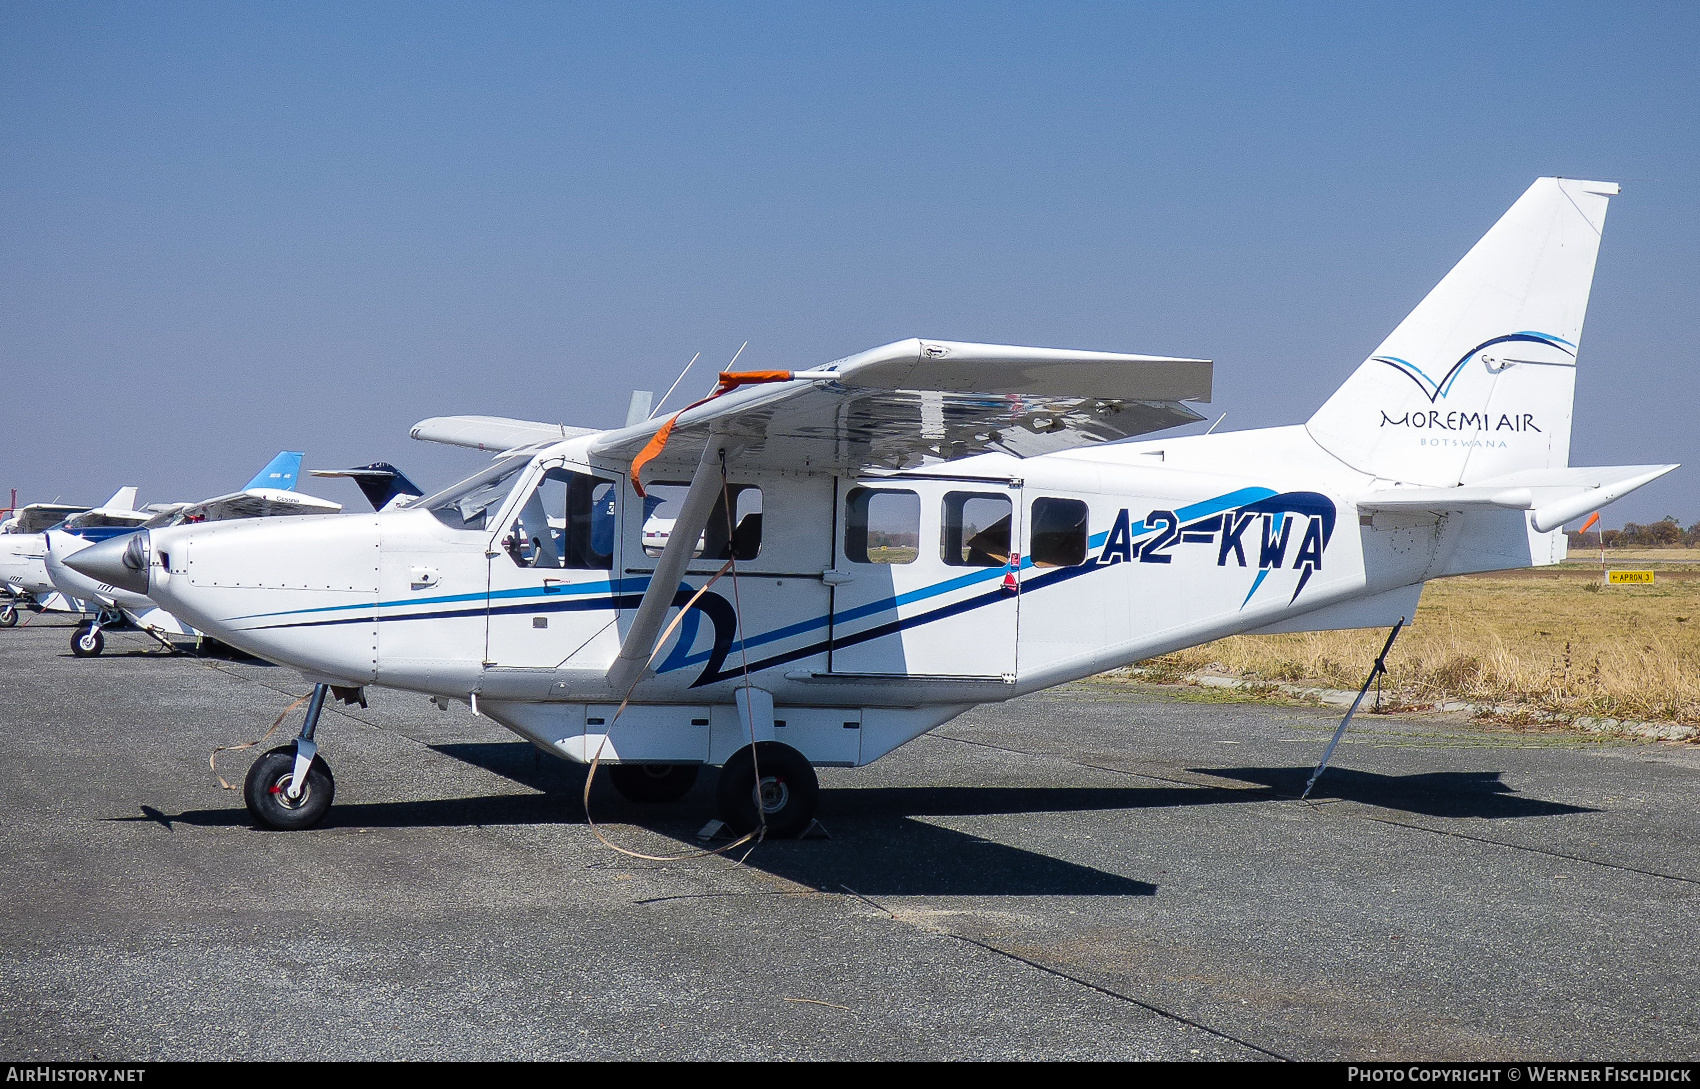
1619,578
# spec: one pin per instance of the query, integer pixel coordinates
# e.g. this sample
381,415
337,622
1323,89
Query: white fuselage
860,642
139,609
23,563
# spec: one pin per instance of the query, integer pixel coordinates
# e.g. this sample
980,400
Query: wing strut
639,643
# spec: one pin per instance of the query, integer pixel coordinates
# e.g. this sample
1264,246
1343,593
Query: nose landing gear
291,787
87,641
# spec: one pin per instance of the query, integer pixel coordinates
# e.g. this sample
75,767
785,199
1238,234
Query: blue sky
234,228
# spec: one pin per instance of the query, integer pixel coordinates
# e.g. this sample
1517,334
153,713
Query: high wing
494,433
914,401
253,503
39,516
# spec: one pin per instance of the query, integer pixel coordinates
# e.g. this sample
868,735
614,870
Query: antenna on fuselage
637,409
672,387
1218,422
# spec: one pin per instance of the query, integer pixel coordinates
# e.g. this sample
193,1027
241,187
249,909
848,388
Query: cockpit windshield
469,504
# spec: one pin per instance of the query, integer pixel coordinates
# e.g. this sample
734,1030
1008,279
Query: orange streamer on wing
729,381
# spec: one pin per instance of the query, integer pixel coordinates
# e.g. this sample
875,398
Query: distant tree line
1667,532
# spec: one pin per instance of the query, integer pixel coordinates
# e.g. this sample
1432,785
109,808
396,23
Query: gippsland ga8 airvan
864,550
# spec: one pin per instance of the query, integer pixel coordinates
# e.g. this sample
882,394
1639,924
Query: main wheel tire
267,791
8,615
87,641
788,790
653,782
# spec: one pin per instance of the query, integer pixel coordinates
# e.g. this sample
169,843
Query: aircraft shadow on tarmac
1431,794
879,848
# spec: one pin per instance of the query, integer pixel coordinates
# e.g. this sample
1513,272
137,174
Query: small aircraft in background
269,494
383,485
864,550
23,549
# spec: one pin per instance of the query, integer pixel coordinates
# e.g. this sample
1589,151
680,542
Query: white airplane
270,494
948,529
23,549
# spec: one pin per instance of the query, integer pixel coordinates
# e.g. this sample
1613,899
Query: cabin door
551,596
926,578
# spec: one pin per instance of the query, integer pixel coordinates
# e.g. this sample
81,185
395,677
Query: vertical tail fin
1479,380
281,472
380,482
122,499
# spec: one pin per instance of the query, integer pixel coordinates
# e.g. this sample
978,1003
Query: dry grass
1553,640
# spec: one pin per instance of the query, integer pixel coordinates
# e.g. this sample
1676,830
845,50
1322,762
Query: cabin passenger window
1056,536
566,522
723,538
976,529
882,526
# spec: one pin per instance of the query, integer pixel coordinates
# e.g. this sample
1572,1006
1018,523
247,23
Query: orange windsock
729,381
1592,518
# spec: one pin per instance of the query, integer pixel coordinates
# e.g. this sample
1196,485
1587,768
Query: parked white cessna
23,548
944,532
270,494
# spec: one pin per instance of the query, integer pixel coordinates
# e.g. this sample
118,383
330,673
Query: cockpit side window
566,522
976,529
469,504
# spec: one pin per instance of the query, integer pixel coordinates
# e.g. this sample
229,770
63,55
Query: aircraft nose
120,562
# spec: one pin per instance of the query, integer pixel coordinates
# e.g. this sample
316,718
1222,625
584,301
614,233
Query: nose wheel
8,615
267,791
87,640
291,787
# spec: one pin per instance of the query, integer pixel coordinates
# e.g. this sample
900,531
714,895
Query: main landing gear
786,794
291,787
653,782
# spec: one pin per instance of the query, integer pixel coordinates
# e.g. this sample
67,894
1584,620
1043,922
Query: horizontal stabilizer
1445,499
1556,496
494,433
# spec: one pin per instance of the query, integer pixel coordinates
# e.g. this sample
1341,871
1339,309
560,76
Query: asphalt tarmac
1098,872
